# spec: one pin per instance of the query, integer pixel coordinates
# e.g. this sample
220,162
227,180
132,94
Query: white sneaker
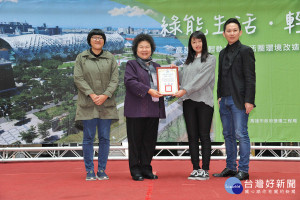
193,175
202,175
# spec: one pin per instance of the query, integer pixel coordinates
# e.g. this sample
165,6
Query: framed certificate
167,80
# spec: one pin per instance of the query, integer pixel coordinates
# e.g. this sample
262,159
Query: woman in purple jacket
144,105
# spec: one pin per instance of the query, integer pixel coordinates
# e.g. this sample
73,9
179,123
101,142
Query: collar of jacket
88,54
234,46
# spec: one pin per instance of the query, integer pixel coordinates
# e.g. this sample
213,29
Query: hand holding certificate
167,80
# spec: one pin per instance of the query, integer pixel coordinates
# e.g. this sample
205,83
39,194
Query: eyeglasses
97,38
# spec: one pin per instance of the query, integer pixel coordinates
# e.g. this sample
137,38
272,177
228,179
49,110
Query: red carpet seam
150,189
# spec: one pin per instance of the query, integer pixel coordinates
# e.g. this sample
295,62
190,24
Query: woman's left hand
100,99
154,93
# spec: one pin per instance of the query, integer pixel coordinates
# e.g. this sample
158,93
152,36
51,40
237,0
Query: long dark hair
191,53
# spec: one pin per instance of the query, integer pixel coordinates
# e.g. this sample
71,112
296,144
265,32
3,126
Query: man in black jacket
236,94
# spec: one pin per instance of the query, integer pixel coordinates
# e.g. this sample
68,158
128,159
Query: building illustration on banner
37,62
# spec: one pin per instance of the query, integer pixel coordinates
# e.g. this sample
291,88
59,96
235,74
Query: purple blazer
138,103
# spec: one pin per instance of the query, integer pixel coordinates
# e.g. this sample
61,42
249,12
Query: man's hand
248,107
219,99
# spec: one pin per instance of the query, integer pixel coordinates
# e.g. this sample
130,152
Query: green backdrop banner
39,41
272,29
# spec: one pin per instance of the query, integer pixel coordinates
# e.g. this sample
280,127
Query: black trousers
142,136
198,117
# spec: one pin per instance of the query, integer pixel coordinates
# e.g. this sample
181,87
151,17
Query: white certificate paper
167,80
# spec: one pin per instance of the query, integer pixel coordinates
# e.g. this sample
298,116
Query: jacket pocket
110,102
85,101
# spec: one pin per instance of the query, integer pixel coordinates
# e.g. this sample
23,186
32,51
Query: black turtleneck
96,55
226,76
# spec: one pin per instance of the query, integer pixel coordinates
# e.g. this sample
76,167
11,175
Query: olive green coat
96,75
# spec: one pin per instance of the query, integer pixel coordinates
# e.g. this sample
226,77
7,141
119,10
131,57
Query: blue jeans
235,127
89,131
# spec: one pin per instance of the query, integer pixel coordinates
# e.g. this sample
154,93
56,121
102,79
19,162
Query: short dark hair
142,37
191,52
232,20
95,32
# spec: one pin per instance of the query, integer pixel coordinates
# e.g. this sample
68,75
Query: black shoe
137,177
242,175
150,176
225,173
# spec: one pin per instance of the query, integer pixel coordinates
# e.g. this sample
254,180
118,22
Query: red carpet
66,180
